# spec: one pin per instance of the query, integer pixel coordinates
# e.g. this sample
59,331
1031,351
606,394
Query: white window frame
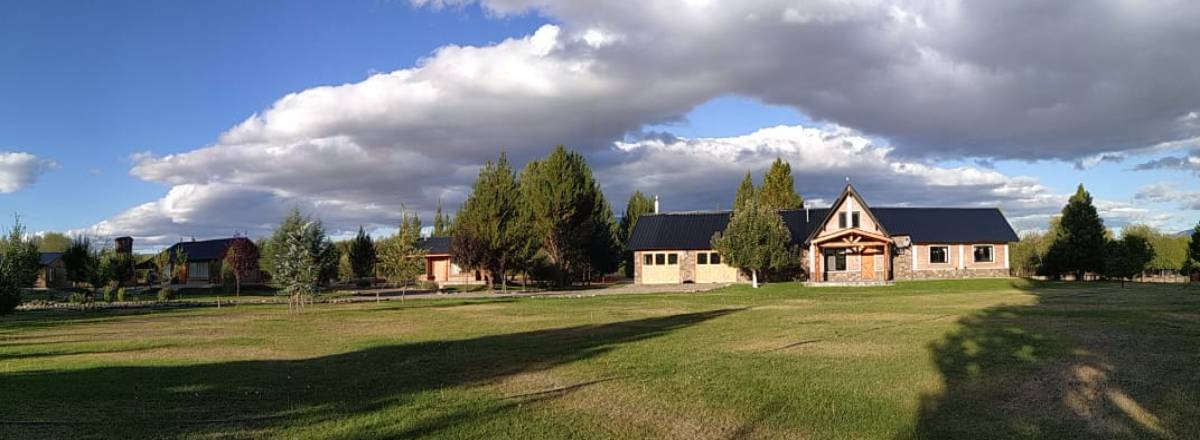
947,254
991,253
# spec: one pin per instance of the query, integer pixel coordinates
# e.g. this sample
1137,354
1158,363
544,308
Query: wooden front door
868,267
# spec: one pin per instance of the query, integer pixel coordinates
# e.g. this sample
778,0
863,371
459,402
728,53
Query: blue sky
90,85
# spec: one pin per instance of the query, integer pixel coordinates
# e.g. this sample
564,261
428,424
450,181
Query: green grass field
961,359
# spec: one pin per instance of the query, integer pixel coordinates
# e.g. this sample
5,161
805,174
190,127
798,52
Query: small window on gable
648,259
660,259
939,254
854,219
702,258
983,253
842,220
672,259
715,258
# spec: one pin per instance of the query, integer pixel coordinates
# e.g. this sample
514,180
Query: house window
648,259
198,271
939,254
842,220
702,258
714,258
660,259
983,253
672,259
835,260
854,219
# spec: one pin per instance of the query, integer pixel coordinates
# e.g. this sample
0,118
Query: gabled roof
694,230
203,250
49,257
435,245
846,192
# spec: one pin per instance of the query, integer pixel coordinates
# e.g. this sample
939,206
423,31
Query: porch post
887,261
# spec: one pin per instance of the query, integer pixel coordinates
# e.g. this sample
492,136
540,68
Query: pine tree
637,205
778,188
361,255
756,238
566,214
301,258
1082,237
487,231
441,222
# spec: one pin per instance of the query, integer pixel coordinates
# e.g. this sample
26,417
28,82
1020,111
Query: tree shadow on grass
254,397
1085,361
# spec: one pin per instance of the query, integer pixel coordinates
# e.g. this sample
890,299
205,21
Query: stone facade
902,267
954,274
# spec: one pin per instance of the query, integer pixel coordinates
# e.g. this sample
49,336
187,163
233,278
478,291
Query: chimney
124,245
806,219
656,203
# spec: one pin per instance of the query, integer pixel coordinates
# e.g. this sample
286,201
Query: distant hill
1184,233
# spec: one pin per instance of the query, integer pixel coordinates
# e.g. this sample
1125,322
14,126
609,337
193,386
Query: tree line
1077,243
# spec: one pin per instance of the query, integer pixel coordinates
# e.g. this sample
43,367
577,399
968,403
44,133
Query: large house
848,242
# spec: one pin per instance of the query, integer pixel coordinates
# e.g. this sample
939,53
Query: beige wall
961,256
686,269
851,204
713,273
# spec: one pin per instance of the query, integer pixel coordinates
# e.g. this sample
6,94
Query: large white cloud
18,170
1018,79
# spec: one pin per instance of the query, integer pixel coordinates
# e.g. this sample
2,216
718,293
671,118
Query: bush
10,297
110,294
166,294
121,294
78,298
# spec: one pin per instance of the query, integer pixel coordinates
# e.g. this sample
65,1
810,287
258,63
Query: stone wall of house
637,267
951,274
687,267
902,263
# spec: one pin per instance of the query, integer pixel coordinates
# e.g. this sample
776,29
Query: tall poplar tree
1081,239
441,222
637,205
755,240
745,192
778,188
487,231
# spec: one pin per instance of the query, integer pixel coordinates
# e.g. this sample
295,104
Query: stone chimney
124,245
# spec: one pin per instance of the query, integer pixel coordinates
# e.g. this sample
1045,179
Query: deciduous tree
778,188
401,259
756,239
637,205
242,258
1127,257
19,263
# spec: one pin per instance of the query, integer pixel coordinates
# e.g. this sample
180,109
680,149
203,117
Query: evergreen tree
567,215
745,192
1081,244
82,261
488,234
637,205
756,239
19,263
441,222
1192,265
401,258
778,188
361,255
301,257
1127,257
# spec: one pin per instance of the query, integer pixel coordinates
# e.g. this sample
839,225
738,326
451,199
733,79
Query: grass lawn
957,359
